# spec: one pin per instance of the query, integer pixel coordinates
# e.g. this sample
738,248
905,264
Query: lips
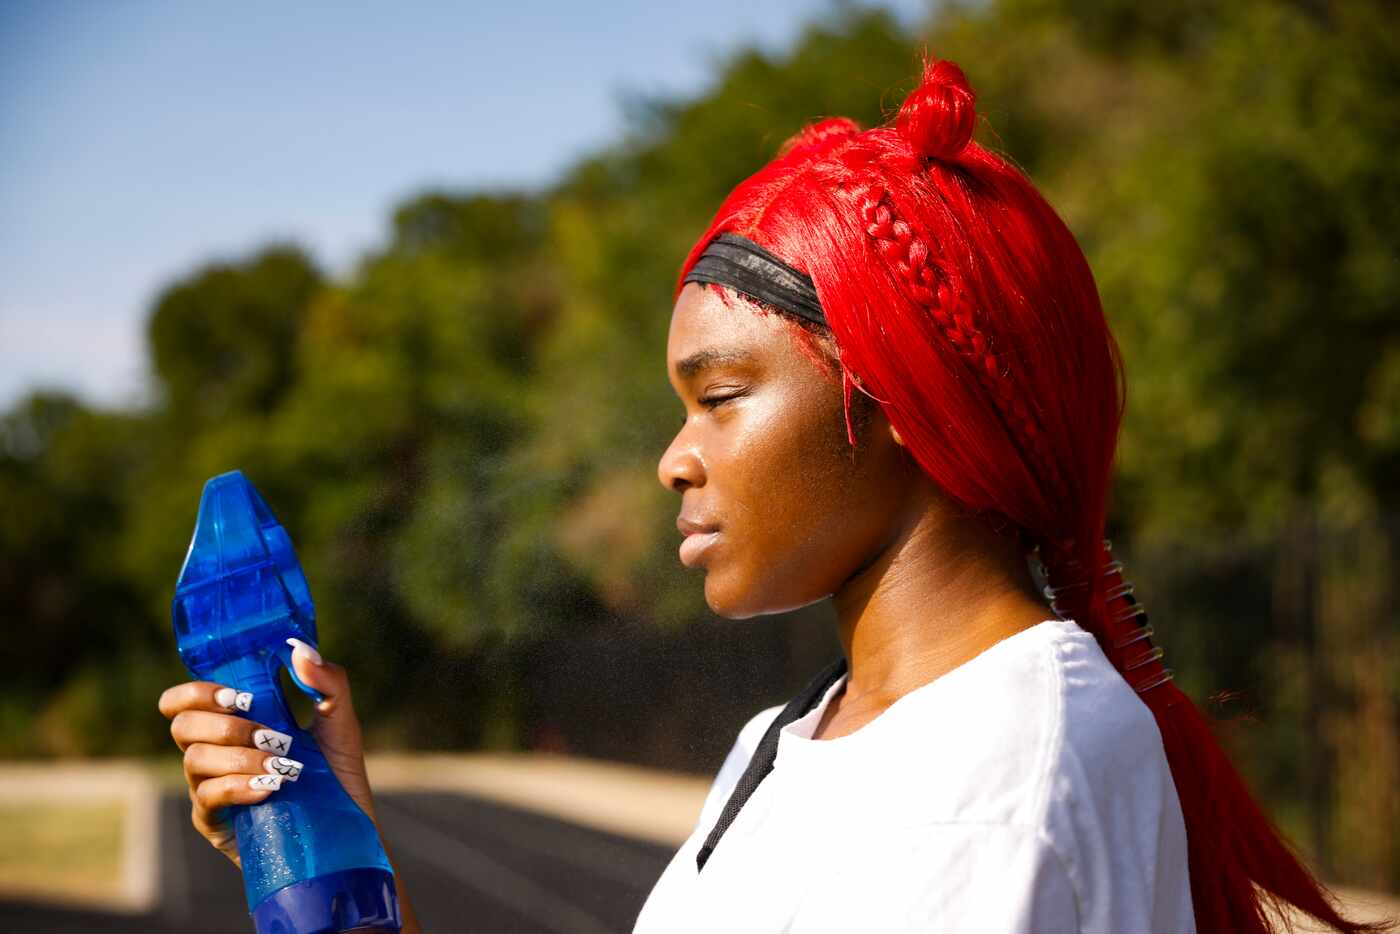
695,545
689,526
699,536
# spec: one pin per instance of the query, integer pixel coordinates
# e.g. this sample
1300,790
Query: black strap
741,264
762,762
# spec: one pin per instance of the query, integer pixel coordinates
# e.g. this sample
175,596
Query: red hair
959,300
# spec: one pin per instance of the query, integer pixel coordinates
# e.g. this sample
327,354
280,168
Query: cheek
776,465
794,489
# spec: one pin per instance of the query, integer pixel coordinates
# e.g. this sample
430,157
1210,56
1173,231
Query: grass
59,850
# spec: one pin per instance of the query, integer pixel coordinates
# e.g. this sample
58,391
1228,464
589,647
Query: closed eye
710,402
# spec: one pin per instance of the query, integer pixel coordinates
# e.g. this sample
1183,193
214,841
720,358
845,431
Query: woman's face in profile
763,461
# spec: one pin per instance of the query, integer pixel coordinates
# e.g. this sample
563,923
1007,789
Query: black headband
746,267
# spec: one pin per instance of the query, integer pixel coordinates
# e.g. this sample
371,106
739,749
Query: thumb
336,712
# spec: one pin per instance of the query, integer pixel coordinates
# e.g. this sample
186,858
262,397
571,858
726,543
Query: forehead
701,322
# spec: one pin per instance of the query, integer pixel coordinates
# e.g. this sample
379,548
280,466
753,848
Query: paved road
469,864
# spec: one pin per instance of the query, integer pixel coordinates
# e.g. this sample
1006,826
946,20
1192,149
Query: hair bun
938,117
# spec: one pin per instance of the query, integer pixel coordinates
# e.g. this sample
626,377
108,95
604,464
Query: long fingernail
233,700
290,769
311,654
260,782
272,741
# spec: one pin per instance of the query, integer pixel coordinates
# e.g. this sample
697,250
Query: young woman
973,763
900,389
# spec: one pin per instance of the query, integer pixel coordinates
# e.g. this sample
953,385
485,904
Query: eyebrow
710,358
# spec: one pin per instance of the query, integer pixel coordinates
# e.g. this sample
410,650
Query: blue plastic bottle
312,860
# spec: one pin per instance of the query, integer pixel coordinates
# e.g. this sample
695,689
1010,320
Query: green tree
222,340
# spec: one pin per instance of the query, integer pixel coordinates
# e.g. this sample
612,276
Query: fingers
213,794
202,695
327,677
228,759
220,729
204,760
337,728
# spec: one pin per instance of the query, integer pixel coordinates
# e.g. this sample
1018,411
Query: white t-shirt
1025,790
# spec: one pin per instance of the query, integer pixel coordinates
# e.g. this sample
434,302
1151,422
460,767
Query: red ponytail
961,302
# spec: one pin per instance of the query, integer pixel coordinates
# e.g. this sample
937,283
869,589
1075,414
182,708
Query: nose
680,466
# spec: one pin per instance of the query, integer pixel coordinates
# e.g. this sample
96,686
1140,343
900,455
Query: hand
232,760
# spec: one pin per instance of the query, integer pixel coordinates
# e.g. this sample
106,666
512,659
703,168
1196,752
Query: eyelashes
710,402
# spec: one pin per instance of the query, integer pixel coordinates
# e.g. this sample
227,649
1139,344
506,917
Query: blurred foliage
462,433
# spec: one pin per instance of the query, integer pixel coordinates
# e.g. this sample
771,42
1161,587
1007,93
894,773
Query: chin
725,609
746,602
731,602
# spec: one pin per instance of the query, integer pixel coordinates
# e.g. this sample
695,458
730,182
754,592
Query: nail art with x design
272,741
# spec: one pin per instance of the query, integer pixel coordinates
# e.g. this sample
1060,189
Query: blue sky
138,140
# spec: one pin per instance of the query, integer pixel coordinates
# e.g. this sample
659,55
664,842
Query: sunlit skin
917,588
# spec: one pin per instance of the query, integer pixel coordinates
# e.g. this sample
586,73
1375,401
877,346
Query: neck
942,591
